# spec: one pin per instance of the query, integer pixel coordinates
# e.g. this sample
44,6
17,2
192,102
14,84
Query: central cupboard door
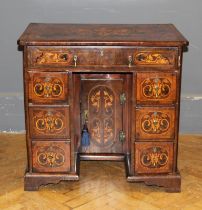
102,102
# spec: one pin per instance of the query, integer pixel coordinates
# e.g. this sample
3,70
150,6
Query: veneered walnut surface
102,34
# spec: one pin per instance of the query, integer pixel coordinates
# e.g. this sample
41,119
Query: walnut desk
122,81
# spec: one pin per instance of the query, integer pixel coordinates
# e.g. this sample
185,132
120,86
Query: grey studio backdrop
16,15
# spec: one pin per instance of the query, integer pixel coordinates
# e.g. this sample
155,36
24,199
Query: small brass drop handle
75,60
47,87
130,59
155,122
47,79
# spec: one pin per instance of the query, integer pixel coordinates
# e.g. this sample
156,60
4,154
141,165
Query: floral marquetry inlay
151,58
48,87
154,157
108,100
156,88
155,122
42,57
96,130
52,156
48,122
108,130
95,100
101,104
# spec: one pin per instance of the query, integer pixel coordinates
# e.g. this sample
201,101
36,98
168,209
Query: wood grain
46,88
49,122
148,57
99,34
155,123
102,184
155,157
156,88
51,156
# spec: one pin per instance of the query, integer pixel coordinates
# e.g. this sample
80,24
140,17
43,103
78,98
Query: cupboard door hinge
122,136
122,98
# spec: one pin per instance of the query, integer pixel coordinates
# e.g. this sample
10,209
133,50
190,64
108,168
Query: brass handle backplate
122,136
130,59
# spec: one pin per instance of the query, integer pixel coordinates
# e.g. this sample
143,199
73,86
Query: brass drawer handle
130,59
75,60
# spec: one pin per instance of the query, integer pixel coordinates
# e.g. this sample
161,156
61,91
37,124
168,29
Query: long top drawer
40,56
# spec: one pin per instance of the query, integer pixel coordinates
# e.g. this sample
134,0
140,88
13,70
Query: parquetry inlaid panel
156,87
49,122
155,123
48,88
153,157
51,156
166,57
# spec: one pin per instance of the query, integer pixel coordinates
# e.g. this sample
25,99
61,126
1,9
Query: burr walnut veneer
122,81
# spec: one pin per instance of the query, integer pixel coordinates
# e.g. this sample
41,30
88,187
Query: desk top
102,34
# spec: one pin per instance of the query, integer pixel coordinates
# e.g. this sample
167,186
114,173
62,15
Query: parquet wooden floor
102,185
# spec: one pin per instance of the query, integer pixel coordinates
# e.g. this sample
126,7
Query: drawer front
166,57
156,157
102,56
46,122
48,88
155,123
78,57
154,87
51,156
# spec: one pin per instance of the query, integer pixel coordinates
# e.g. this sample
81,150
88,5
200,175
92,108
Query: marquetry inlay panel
43,57
102,107
156,87
145,58
156,57
49,122
155,123
51,156
153,157
47,88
